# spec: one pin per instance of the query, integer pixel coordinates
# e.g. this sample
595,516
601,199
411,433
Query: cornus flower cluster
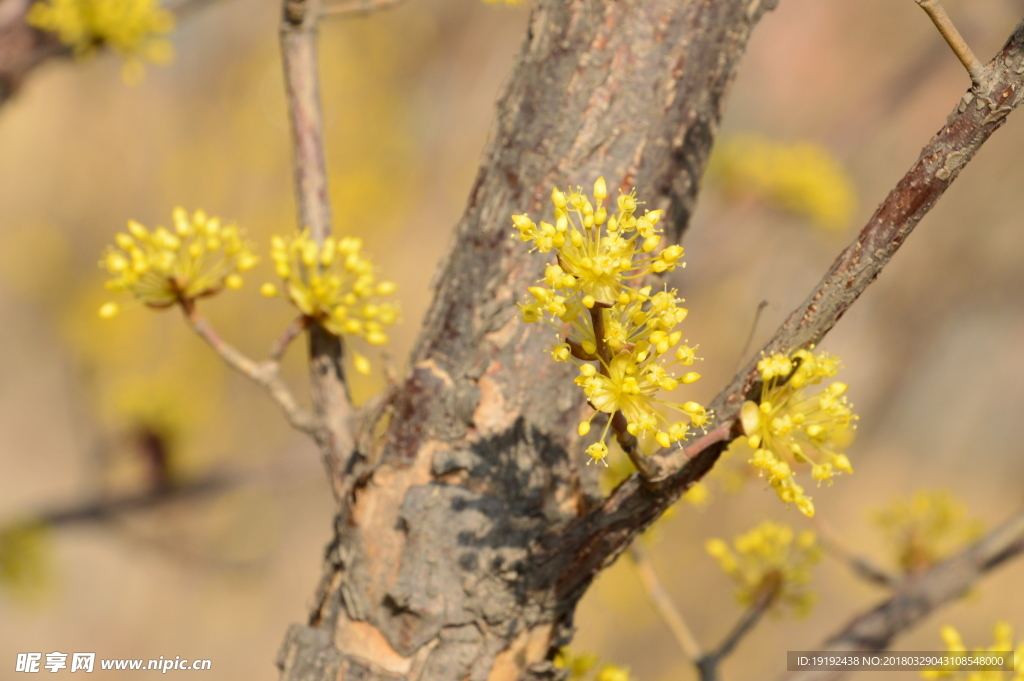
788,426
198,258
926,528
770,561
135,29
336,285
620,336
586,666
1002,635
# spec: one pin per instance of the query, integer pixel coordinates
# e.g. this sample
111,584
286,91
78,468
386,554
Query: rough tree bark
441,567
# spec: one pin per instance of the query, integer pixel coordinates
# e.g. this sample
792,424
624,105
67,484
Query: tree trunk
446,562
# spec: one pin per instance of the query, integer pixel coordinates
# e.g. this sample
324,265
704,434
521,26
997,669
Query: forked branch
266,374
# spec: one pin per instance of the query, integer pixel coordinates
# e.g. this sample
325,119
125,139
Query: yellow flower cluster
802,177
926,529
1003,643
198,258
135,29
579,666
589,297
786,425
770,561
336,285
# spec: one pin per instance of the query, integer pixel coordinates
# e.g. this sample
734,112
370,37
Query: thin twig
960,48
294,330
331,400
920,595
265,374
663,603
859,565
707,666
750,337
359,7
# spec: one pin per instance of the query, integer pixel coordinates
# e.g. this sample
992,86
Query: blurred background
833,102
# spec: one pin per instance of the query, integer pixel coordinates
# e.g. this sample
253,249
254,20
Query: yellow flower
580,666
926,529
590,289
336,285
770,561
198,258
1002,635
787,427
135,29
802,177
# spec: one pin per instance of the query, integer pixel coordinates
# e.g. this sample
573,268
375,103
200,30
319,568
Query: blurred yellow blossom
802,177
926,529
199,258
580,666
24,559
1002,635
770,561
787,425
135,29
336,285
590,298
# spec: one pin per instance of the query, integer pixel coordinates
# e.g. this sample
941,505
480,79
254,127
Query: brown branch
265,374
635,504
861,566
663,603
331,401
920,595
707,666
963,52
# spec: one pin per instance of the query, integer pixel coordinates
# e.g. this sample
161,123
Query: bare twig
859,565
301,74
707,666
963,52
750,337
663,603
637,502
359,7
266,374
294,330
920,595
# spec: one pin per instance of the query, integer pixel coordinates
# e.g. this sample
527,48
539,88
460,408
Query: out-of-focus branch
663,603
963,52
103,509
266,374
707,666
922,594
638,501
301,74
359,7
860,566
